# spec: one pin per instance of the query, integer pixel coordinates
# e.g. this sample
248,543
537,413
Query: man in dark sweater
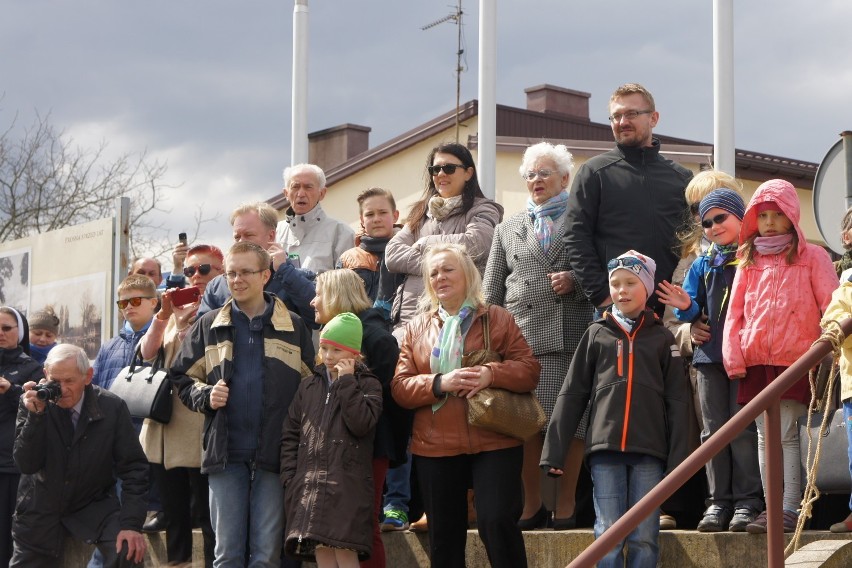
627,198
241,365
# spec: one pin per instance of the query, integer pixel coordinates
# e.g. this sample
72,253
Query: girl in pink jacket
780,292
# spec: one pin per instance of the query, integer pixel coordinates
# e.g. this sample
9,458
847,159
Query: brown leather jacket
446,432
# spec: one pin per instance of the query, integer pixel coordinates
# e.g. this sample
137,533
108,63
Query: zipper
619,349
628,401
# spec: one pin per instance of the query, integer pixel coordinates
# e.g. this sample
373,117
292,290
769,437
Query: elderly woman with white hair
529,273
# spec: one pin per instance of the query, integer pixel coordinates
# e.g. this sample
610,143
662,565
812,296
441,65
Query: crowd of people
320,376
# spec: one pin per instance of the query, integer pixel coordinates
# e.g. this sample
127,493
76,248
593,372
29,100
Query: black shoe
743,517
540,520
716,519
155,523
565,524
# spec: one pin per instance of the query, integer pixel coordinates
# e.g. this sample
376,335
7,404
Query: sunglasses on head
135,302
7,328
203,269
449,169
629,262
715,220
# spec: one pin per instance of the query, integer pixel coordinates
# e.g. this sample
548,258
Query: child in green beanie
327,453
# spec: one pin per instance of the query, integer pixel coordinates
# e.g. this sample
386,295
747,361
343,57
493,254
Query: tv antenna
455,17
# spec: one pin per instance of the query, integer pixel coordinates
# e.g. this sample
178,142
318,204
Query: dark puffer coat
326,463
17,367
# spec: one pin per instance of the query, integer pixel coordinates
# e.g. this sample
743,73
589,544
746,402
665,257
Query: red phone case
184,296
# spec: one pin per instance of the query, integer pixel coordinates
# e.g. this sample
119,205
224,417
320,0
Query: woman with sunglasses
529,273
453,209
174,449
16,368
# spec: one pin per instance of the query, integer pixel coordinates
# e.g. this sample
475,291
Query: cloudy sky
204,85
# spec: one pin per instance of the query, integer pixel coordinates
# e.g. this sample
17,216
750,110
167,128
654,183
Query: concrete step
549,549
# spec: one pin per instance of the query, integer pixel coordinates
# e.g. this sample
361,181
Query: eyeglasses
715,220
448,169
629,115
203,269
541,174
244,274
7,328
135,302
629,262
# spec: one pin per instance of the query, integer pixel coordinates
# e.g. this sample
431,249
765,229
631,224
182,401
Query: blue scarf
543,216
446,356
40,353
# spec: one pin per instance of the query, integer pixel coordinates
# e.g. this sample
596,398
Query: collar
79,406
313,217
128,331
640,154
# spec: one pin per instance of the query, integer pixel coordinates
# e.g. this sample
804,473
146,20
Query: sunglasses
448,169
630,263
203,269
135,302
715,220
7,328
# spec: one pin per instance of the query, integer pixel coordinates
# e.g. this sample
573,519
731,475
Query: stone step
546,549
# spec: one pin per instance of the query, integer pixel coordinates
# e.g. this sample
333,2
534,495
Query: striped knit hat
725,199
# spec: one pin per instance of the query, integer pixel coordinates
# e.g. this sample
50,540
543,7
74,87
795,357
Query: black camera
49,392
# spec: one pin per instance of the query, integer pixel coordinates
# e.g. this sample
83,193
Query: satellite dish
831,196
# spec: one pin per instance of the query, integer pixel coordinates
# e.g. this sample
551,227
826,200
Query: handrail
767,400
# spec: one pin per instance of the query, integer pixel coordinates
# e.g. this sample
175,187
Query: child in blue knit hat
327,453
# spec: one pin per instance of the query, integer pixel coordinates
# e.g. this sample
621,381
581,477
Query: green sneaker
395,520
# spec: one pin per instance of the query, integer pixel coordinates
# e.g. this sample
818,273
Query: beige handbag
509,413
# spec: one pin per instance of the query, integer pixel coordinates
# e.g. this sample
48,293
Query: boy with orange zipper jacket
628,368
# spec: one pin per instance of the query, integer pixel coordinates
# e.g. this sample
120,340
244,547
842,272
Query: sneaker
758,526
843,526
395,520
667,522
743,516
791,519
716,519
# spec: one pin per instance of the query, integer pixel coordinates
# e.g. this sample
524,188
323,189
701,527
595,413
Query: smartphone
184,296
182,237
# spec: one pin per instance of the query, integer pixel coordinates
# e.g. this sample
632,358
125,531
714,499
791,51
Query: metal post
774,472
723,86
487,136
120,261
847,152
299,113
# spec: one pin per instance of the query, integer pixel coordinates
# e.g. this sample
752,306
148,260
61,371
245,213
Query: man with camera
73,439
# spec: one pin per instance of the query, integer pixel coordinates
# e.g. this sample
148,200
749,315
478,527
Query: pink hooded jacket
776,307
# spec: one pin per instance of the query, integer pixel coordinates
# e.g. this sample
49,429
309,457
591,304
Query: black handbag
147,391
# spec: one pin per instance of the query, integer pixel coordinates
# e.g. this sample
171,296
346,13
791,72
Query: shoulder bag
833,471
147,391
514,414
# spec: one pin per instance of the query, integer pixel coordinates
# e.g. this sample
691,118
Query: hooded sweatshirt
776,307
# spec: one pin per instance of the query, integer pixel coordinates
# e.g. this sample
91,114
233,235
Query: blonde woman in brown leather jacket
450,455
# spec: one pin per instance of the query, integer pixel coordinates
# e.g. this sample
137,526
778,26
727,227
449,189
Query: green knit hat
343,331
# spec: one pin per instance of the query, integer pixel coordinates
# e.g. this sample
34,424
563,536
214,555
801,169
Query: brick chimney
333,146
551,99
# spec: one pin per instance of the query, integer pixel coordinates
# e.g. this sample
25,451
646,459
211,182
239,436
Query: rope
834,335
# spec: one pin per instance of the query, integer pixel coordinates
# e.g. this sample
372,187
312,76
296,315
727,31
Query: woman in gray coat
529,273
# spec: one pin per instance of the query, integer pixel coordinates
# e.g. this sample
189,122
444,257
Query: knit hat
343,331
45,319
641,265
724,198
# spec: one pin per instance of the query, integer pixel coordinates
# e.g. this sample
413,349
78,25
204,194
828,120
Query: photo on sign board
79,305
15,279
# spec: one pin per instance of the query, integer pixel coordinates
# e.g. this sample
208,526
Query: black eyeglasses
135,302
244,274
629,262
715,220
449,169
7,328
203,269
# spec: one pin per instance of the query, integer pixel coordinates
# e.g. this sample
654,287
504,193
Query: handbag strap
158,360
486,331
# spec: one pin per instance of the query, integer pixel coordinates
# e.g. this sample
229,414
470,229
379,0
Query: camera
48,392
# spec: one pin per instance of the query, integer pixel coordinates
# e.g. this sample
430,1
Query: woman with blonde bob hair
449,454
340,291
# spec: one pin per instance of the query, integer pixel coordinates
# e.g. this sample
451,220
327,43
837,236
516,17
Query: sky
205,85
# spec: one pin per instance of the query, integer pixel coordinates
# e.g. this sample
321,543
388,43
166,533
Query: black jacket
381,353
70,481
17,367
627,198
638,390
326,461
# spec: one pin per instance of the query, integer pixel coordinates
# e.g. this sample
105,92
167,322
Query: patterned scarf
440,208
543,215
721,255
446,356
773,245
625,321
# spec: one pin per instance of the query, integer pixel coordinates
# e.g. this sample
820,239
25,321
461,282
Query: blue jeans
847,417
244,509
620,481
398,482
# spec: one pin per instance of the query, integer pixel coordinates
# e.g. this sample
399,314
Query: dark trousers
496,479
184,495
8,496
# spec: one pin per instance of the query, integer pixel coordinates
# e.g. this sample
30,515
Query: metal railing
768,401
